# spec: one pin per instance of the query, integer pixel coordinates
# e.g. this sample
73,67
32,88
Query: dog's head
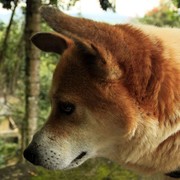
91,108
86,119
102,90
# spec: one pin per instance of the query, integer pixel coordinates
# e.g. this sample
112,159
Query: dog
115,93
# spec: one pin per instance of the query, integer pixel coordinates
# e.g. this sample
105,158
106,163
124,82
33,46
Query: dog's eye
66,108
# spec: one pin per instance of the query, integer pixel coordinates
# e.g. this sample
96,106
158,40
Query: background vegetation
167,14
13,91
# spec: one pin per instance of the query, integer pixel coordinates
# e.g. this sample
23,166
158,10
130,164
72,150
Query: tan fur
125,83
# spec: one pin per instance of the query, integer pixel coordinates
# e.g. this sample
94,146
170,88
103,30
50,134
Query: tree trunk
31,71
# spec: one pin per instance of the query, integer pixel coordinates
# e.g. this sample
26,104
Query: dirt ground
17,172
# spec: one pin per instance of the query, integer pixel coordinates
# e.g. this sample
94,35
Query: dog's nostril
31,155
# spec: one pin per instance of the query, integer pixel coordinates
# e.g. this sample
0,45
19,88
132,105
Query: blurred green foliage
176,3
167,14
8,152
7,3
48,63
99,169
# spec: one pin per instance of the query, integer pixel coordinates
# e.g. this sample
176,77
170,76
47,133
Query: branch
4,44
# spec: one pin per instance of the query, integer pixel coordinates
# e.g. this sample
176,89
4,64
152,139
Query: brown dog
115,94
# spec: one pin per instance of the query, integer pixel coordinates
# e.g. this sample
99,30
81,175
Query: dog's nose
31,155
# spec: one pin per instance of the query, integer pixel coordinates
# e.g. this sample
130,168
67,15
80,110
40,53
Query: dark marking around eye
66,108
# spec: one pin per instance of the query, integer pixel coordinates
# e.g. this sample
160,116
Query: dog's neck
157,160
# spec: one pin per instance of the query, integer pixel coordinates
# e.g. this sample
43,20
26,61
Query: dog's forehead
70,76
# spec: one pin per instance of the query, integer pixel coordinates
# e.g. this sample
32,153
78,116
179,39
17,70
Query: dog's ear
51,42
61,22
81,27
97,61
94,57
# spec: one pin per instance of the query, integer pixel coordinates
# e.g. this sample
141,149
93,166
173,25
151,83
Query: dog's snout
31,154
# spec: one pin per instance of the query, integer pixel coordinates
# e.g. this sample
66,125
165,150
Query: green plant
97,169
165,15
7,152
47,66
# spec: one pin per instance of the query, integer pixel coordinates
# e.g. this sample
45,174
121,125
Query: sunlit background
125,10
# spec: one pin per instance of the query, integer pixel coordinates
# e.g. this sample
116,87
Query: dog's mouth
80,156
83,156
